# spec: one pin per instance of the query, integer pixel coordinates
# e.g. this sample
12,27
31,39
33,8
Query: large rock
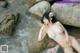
44,0
40,8
48,0
67,13
23,39
72,0
3,3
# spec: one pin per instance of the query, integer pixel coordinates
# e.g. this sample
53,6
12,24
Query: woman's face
46,21
51,14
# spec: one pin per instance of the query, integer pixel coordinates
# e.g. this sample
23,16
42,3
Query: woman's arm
42,33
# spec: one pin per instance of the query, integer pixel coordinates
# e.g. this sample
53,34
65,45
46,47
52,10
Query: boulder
67,13
3,3
44,0
48,0
40,8
23,38
72,0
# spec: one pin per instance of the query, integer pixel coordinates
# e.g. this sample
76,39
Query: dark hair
53,19
46,15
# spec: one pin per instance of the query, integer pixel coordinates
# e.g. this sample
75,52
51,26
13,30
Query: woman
58,33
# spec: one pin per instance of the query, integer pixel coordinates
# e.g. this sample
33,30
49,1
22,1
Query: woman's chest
54,32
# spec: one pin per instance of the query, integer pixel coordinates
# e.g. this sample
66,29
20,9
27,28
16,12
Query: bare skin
57,32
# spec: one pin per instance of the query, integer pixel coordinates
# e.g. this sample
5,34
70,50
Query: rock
44,0
79,41
30,2
48,0
40,8
67,13
27,33
71,0
24,39
8,23
4,4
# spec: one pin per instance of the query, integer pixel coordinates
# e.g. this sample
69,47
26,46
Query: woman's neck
49,24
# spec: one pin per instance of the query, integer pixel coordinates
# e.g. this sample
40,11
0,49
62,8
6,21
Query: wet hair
53,19
46,15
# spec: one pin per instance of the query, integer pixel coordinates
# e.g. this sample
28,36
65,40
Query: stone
40,8
4,4
67,13
24,37
72,0
48,0
7,23
43,0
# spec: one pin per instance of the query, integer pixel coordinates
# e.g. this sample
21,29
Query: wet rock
67,13
27,30
4,4
40,8
7,23
24,39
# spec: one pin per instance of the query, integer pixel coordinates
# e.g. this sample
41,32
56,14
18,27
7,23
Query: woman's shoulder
58,23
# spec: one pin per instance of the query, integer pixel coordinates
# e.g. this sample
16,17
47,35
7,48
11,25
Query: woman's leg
66,46
75,44
68,50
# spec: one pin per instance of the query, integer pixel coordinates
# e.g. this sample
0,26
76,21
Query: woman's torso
56,32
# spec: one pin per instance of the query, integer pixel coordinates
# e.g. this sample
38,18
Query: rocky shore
20,23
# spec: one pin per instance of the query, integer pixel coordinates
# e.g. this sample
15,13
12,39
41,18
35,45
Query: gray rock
67,13
40,8
3,4
24,39
44,0
72,0
7,23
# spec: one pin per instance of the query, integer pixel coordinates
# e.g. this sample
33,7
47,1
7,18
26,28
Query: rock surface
40,8
7,23
23,39
67,13
72,0
44,0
